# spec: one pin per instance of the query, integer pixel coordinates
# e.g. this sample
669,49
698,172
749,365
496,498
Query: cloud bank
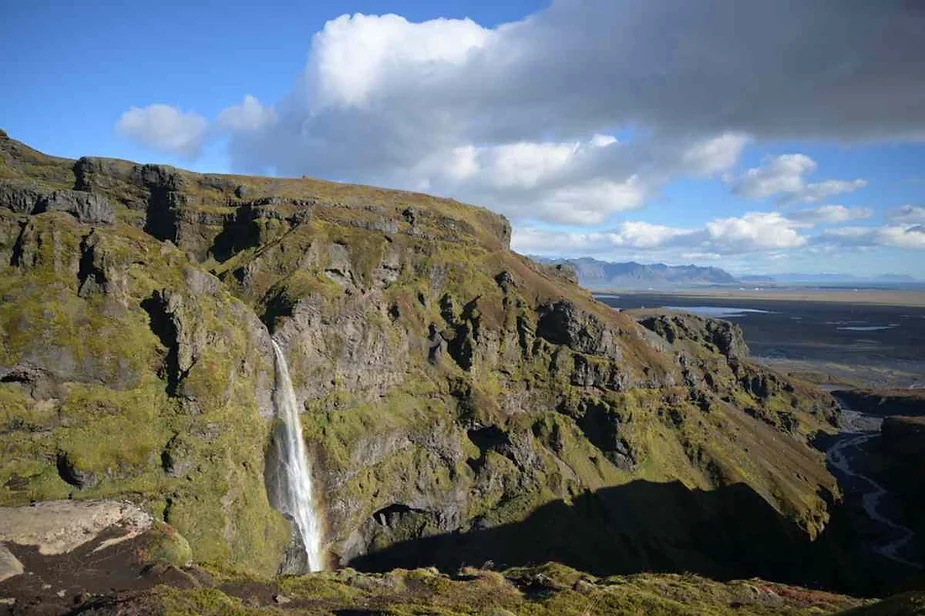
584,111
752,232
764,233
508,116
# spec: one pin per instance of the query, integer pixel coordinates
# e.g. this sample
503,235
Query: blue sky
760,139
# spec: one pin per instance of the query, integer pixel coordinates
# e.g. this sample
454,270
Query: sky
761,137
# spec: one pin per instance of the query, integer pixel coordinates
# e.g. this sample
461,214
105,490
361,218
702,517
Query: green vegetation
444,377
547,590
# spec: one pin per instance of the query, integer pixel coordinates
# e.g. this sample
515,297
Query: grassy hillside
451,387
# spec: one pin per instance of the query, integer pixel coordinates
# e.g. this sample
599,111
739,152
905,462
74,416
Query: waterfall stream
297,491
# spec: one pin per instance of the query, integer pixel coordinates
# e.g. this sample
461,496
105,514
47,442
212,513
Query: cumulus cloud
580,182
358,58
902,236
784,177
581,113
716,155
908,214
640,236
754,232
764,235
250,115
521,117
831,214
164,128
910,237
591,202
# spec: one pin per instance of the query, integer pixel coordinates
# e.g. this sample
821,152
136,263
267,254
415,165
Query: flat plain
871,338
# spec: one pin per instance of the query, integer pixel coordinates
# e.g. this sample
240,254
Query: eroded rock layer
460,401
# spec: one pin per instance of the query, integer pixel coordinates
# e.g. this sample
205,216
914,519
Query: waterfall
297,490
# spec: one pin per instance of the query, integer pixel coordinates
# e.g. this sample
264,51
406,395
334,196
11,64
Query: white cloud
784,176
250,115
644,235
522,117
755,232
383,99
524,165
592,202
553,181
906,236
908,214
820,191
531,240
831,214
356,59
902,236
602,141
164,128
629,235
781,174
715,155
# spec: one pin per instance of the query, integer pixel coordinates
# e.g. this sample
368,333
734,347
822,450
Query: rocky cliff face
885,403
902,447
450,386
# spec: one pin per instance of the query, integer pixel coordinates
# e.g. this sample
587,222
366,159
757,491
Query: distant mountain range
594,274
829,278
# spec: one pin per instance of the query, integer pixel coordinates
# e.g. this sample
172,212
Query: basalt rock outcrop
450,386
902,446
885,403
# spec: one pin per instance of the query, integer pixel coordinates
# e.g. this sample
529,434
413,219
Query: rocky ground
55,555
109,558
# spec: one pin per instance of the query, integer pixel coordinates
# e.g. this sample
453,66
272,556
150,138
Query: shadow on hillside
239,234
727,533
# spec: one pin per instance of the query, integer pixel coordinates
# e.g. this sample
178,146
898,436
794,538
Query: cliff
883,403
452,389
902,448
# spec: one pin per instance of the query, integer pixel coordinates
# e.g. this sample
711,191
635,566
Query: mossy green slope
85,397
551,590
449,384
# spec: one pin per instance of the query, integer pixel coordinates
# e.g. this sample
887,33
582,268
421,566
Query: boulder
57,527
9,564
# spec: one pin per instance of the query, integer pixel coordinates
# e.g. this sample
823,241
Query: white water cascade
297,493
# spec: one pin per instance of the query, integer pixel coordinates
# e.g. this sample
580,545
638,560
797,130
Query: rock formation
451,388
902,445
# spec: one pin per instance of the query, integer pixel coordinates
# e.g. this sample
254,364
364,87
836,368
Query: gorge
443,400
858,431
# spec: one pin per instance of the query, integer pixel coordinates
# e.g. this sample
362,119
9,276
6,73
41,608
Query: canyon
285,376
